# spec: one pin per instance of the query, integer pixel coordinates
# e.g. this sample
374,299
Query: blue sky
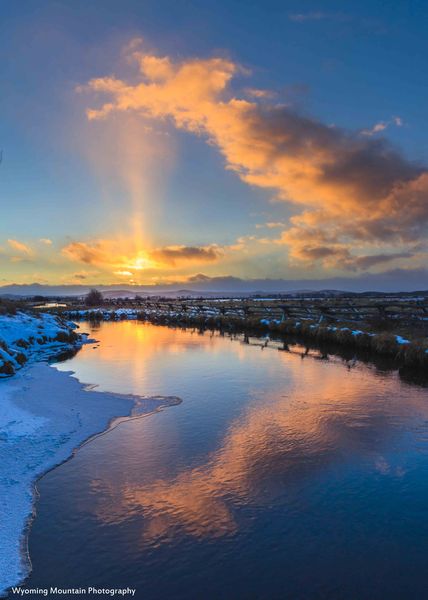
347,65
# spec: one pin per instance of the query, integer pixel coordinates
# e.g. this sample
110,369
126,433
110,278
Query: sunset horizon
144,158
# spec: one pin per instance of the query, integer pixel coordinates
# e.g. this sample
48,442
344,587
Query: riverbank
28,336
45,415
408,350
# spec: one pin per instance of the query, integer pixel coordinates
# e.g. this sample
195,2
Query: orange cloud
118,255
101,252
358,190
20,247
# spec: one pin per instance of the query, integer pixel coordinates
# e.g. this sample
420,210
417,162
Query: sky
165,142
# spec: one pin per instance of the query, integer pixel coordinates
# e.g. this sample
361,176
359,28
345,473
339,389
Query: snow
24,336
44,415
401,340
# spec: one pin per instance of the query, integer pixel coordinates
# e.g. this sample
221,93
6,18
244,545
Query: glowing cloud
118,256
20,247
357,190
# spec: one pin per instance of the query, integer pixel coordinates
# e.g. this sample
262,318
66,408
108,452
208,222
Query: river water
278,476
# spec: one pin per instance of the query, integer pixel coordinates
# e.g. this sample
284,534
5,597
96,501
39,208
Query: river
278,476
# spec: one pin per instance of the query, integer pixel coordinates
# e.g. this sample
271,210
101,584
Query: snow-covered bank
44,415
24,335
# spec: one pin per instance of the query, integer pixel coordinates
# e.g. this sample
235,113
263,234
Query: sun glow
141,262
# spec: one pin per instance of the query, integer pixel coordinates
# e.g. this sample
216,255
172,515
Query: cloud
171,255
46,241
312,245
123,260
20,247
199,277
358,191
82,275
375,129
98,253
256,93
365,262
270,225
317,16
382,125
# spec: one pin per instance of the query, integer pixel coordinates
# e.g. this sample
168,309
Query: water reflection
277,476
319,417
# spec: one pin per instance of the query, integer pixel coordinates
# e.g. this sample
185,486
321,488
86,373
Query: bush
363,340
345,336
7,307
22,343
66,337
385,343
7,368
288,326
20,358
324,334
414,355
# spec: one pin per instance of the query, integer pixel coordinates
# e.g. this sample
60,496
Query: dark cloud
172,254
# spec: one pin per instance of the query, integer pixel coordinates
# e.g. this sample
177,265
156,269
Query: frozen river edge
45,415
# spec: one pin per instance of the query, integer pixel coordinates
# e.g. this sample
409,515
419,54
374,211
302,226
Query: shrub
324,334
20,358
7,368
414,355
345,336
363,340
307,329
22,343
288,326
385,343
66,337
7,307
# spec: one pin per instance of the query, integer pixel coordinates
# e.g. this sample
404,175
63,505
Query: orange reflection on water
320,414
